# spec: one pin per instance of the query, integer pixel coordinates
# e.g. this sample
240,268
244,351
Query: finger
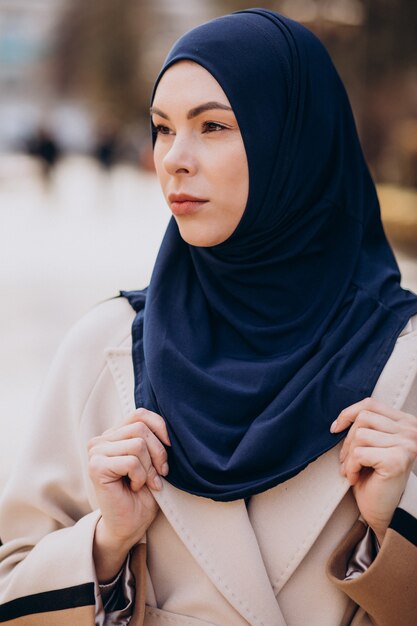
154,422
387,462
131,447
367,419
126,431
140,430
368,437
105,470
350,413
359,459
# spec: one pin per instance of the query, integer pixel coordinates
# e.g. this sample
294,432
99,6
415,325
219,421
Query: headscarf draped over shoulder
250,349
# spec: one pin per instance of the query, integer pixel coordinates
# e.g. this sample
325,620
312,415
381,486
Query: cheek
233,178
158,157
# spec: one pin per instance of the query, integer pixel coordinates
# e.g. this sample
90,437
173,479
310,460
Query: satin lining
363,555
118,597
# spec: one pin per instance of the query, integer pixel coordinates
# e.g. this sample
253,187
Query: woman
273,312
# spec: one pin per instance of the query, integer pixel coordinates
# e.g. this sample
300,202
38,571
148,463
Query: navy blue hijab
250,349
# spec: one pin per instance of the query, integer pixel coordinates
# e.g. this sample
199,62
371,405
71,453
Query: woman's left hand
377,457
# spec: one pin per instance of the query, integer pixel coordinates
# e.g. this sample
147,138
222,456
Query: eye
160,129
212,127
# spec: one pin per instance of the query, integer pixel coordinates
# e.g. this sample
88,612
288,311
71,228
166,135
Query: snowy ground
62,250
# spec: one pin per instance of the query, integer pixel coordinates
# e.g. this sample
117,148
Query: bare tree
99,55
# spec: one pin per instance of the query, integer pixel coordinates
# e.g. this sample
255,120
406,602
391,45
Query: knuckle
109,431
368,402
365,414
92,443
140,445
402,465
141,429
361,435
361,416
399,463
347,446
141,413
133,465
151,471
161,454
142,474
95,465
411,446
146,431
408,435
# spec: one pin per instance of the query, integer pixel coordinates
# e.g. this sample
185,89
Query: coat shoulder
397,384
107,325
81,357
407,343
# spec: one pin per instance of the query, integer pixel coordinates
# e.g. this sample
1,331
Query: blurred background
81,213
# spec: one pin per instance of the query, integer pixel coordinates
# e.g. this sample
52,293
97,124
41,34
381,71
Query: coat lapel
234,548
298,509
218,535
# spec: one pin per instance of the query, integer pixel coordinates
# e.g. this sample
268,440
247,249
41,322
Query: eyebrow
201,108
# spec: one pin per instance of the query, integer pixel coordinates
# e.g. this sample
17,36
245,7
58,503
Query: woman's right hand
125,465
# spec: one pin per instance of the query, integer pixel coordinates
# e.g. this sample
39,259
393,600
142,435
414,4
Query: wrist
111,539
379,533
109,552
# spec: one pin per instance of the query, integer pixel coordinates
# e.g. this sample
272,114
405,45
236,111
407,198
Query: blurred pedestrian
106,149
44,147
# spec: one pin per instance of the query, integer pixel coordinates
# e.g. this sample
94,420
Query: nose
181,157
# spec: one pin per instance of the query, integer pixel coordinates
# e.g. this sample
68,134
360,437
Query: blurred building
27,96
169,21
108,55
74,67
111,51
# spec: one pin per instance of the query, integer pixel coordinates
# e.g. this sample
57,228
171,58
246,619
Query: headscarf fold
249,349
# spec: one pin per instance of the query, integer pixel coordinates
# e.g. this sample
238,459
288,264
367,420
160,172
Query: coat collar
217,534
220,537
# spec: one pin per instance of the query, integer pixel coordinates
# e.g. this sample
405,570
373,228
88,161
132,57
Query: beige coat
207,563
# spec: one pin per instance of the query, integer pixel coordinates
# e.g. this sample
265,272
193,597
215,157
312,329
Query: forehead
186,84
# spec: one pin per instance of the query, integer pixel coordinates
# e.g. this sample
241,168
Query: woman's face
199,154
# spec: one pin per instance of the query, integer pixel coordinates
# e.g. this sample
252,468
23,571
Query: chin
201,242
199,237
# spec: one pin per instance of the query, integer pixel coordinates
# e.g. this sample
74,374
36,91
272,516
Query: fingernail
157,482
333,426
342,469
165,469
342,456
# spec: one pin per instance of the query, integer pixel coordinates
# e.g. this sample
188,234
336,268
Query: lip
184,204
